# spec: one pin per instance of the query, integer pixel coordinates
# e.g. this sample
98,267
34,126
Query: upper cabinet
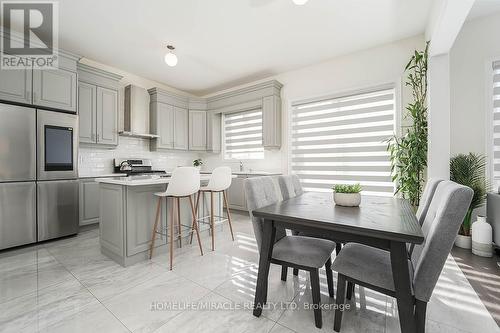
271,122
47,88
184,122
169,120
55,89
98,106
162,124
87,105
15,85
214,132
197,130
264,96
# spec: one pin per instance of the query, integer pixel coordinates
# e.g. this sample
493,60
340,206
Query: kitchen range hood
136,113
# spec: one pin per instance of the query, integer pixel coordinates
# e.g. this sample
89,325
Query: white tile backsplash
96,161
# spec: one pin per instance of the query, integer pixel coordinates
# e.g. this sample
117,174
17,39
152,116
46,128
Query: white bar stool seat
184,182
219,182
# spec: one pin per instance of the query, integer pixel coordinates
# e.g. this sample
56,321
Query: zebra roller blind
342,141
243,135
496,120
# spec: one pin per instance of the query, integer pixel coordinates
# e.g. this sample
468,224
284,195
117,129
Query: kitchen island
127,213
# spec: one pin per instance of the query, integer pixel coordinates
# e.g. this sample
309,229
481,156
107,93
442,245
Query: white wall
95,161
474,50
372,67
438,165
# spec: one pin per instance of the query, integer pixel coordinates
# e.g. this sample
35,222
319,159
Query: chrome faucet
241,166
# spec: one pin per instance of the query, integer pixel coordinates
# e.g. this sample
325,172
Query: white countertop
105,175
143,180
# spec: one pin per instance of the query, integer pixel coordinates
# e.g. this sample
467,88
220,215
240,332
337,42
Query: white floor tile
144,308
44,308
93,318
218,319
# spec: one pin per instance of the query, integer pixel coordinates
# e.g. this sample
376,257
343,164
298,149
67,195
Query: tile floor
68,286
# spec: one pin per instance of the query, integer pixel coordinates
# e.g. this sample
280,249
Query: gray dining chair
306,253
371,267
291,187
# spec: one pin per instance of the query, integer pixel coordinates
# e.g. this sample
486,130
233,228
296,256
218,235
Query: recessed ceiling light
299,2
170,57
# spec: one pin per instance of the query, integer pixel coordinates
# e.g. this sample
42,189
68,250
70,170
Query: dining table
387,223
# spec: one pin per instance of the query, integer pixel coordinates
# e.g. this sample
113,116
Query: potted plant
408,153
197,163
469,170
347,195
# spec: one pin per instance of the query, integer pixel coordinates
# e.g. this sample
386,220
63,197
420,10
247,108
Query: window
496,121
342,141
243,135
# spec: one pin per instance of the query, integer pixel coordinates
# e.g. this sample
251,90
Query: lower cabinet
140,210
89,201
236,193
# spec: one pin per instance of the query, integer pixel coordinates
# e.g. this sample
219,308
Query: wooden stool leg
172,225
212,225
179,221
195,224
196,214
153,237
228,214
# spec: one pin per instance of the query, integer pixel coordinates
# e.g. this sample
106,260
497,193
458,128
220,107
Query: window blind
496,120
341,141
243,135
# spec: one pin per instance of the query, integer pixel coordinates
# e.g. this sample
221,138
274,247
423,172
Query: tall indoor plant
408,153
469,170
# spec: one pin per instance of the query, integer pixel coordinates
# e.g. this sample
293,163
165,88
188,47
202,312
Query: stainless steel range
136,167
38,175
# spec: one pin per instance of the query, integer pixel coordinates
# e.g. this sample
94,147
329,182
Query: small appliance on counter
136,167
38,175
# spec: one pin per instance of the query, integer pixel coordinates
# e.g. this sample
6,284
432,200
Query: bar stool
184,183
219,182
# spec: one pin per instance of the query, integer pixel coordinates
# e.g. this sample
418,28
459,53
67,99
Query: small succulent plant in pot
347,195
198,163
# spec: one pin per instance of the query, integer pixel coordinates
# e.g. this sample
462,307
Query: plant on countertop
198,162
469,170
408,153
343,188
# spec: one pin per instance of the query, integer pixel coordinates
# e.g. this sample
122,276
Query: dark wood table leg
404,297
268,235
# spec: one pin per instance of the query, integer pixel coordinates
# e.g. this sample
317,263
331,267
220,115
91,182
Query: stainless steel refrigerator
38,201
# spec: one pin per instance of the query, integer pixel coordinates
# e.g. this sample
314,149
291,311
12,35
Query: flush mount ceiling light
170,57
299,2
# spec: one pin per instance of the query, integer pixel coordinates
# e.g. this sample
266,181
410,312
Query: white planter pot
464,242
347,199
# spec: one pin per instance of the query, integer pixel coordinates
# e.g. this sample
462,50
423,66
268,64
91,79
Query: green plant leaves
408,153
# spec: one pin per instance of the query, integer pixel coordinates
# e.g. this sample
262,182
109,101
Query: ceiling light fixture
299,2
170,57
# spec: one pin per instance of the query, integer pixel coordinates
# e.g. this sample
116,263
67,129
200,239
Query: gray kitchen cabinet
111,214
55,89
181,128
236,193
89,201
271,122
107,116
98,106
162,124
87,104
197,130
170,123
214,132
15,85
